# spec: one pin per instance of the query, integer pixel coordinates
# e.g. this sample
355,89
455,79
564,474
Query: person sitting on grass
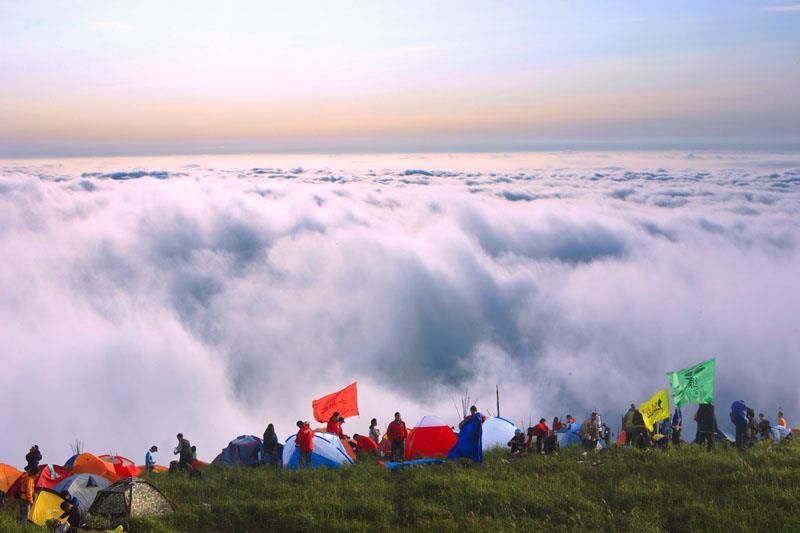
517,442
764,426
540,431
305,442
366,446
590,432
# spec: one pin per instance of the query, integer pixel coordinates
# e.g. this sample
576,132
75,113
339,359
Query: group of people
749,431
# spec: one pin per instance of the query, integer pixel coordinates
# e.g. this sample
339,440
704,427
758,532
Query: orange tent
157,469
87,463
8,475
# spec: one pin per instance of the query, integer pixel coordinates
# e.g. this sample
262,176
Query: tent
430,438
8,475
242,451
123,467
46,506
328,451
130,497
87,463
47,478
497,431
84,487
70,461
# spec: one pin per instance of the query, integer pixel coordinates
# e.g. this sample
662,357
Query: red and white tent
430,438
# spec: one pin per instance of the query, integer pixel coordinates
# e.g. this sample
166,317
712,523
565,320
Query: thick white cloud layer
143,298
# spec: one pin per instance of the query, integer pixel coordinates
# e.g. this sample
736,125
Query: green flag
694,384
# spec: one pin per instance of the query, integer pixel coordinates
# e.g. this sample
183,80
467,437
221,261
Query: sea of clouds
143,297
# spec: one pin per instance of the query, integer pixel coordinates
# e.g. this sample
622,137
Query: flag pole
497,391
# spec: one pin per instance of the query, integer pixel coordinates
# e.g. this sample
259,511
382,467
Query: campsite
620,489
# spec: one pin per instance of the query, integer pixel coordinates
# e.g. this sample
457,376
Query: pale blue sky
161,77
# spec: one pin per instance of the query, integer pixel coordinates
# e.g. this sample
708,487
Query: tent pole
497,391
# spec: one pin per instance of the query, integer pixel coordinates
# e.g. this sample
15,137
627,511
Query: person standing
590,432
184,453
150,458
27,485
32,458
627,424
557,425
334,425
397,435
305,442
739,419
374,431
270,444
706,425
677,423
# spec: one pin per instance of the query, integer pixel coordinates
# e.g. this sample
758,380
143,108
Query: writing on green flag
694,384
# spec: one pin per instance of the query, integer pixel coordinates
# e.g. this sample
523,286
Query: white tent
328,451
497,431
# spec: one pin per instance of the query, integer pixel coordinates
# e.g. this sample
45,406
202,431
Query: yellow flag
655,409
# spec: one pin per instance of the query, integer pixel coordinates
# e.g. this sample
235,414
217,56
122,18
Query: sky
211,295
127,78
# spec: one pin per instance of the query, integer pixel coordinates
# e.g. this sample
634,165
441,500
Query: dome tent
84,487
328,451
243,451
430,438
46,506
497,431
87,463
123,466
130,497
8,475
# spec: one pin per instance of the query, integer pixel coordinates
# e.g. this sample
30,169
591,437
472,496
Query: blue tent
84,487
470,440
328,451
243,451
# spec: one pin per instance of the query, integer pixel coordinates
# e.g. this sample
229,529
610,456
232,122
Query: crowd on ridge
539,439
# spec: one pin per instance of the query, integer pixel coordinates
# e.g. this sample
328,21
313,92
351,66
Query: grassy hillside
619,489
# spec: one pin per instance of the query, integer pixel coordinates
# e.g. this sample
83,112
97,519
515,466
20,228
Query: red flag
345,402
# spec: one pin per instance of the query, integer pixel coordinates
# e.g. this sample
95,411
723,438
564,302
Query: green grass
620,489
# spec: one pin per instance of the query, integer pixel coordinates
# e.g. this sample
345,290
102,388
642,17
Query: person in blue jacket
739,419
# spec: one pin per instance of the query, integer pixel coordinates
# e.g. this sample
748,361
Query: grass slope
620,489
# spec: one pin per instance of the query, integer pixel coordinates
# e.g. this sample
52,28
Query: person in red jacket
305,441
397,434
557,425
335,425
541,431
366,446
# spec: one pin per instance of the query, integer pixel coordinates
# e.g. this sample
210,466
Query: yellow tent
46,506
8,475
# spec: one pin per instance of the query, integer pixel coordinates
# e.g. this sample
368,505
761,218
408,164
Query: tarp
570,435
416,462
328,452
430,438
241,451
345,402
84,487
469,444
8,475
497,431
777,433
46,506
694,384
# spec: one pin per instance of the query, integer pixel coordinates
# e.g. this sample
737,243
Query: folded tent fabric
470,440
